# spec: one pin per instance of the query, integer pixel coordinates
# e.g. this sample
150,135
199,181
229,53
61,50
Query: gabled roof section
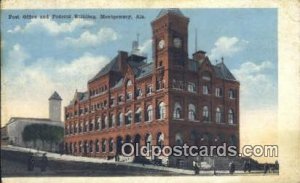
223,72
136,63
111,66
80,96
55,96
175,11
145,70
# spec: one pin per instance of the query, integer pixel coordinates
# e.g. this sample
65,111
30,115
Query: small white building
16,125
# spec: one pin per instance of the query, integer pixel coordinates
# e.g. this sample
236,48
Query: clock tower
170,42
170,38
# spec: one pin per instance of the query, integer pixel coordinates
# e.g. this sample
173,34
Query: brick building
171,100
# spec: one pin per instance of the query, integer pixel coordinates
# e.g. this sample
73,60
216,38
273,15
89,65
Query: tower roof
55,96
169,10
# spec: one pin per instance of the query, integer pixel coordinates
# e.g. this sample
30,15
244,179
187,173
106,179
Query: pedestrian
231,167
266,168
196,167
44,163
249,166
245,166
30,163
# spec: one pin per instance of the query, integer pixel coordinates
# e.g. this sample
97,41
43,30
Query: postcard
141,92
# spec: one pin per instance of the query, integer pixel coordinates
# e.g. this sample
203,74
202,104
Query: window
120,119
160,85
149,90
129,83
206,76
230,116
219,92
86,126
192,112
111,120
104,145
139,92
218,115
138,115
205,113
106,120
76,128
97,126
111,145
97,145
102,123
177,111
129,96
149,114
161,110
120,98
191,87
128,118
91,125
80,128
205,90
231,94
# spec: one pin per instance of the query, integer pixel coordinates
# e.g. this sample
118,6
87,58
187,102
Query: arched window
97,126
218,115
205,113
138,115
179,139
129,83
75,127
80,146
86,126
97,146
91,144
160,139
230,116
148,140
111,145
149,114
128,117
120,119
111,120
192,112
103,145
177,111
91,125
71,148
161,110
106,121
80,127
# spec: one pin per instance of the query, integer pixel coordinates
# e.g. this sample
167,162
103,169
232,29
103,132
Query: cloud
146,46
226,47
256,84
27,90
50,26
87,38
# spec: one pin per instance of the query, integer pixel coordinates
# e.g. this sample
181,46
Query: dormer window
149,90
129,83
191,87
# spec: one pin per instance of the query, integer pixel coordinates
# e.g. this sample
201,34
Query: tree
44,132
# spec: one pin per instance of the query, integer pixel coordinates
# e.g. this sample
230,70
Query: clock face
177,42
161,44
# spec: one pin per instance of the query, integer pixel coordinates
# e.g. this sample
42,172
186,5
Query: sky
40,56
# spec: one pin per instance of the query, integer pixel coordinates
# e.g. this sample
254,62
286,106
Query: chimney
199,55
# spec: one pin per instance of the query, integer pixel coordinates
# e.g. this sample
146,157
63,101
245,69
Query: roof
112,65
145,70
43,120
223,72
175,11
55,96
